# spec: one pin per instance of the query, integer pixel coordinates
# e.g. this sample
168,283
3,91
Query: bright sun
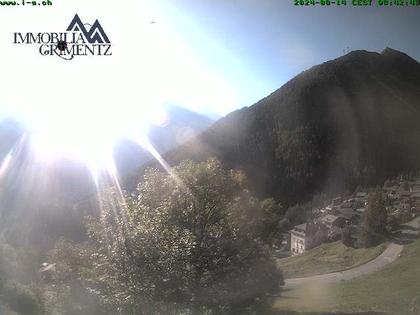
89,135
80,109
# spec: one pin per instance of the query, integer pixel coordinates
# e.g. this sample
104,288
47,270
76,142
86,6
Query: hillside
329,257
347,122
391,291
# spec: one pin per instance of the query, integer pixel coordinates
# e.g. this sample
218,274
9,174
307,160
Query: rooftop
301,227
329,219
347,213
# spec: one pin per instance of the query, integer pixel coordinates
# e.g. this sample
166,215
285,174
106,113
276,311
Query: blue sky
258,45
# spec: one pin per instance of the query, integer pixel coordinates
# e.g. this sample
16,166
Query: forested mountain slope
350,121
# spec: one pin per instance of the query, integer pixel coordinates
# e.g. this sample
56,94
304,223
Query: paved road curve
408,232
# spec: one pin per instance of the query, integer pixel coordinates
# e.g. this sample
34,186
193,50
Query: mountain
350,121
179,127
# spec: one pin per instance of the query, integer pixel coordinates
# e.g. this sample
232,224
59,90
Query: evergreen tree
374,219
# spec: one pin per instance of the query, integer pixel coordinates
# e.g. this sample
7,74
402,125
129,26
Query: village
343,215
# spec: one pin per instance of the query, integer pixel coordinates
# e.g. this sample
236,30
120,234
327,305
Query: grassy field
389,291
327,258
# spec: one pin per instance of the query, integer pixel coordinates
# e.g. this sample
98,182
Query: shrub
21,298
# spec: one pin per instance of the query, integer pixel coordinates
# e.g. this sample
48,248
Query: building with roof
298,239
329,220
349,215
416,202
362,194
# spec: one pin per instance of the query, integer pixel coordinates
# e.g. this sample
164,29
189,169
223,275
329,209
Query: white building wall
297,244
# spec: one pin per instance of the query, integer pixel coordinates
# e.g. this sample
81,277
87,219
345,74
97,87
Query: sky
211,56
271,41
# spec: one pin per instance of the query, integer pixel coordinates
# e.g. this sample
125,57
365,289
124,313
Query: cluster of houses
402,201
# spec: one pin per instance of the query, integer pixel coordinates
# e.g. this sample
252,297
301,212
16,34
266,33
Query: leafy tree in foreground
182,247
19,284
68,288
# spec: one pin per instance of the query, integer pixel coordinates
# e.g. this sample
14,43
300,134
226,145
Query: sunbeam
145,143
5,163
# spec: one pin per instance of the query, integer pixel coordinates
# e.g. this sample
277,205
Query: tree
271,214
415,305
317,234
19,286
388,183
346,236
284,224
68,287
178,246
374,219
258,219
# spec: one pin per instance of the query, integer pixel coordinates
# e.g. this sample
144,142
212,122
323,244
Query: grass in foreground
389,291
327,258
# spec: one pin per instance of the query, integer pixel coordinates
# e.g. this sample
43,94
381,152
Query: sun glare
80,110
90,137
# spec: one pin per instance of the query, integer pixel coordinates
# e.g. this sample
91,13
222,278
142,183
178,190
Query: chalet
361,199
347,204
298,239
416,202
391,192
332,209
47,270
361,195
45,267
285,239
329,220
349,215
361,210
402,193
358,203
337,201
390,189
334,233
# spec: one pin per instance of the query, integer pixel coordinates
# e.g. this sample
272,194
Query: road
407,233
